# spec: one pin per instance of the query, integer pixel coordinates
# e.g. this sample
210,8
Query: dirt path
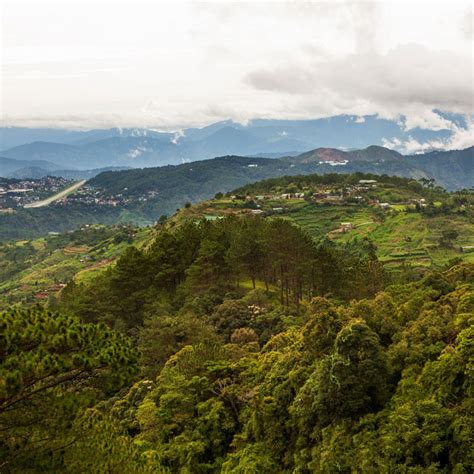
57,196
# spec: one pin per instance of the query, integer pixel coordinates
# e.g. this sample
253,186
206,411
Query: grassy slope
402,236
399,236
60,264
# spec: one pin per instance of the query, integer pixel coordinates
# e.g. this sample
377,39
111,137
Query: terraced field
400,234
49,265
321,220
400,237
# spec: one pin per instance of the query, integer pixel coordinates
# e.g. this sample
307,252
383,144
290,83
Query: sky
99,64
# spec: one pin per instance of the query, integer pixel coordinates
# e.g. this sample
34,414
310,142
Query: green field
35,270
400,237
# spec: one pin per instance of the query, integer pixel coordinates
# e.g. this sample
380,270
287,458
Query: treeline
336,179
195,266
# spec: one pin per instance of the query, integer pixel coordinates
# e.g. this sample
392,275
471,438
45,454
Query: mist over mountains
201,179
136,147
346,142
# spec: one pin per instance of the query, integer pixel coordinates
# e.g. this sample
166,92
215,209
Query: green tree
53,366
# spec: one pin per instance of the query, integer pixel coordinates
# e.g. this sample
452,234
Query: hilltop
141,196
406,221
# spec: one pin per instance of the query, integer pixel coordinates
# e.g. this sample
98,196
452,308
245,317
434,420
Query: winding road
57,196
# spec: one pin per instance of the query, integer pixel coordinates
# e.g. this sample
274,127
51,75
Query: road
57,196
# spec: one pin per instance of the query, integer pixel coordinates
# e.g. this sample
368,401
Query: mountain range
201,179
138,147
35,169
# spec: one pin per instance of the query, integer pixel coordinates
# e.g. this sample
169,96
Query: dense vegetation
31,223
420,223
260,351
243,344
197,265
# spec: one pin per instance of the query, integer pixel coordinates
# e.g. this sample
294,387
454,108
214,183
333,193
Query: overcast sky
171,65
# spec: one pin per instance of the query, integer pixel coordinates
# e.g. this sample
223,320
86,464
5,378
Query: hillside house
41,296
56,287
346,226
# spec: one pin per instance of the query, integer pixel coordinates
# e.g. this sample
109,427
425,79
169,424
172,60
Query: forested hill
311,323
243,345
201,179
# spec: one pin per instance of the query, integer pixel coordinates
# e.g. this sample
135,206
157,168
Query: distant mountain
35,169
65,156
452,169
280,154
95,135
136,147
14,136
9,165
150,192
34,172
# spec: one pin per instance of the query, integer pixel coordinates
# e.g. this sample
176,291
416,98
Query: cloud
238,60
410,79
468,24
178,134
426,119
461,137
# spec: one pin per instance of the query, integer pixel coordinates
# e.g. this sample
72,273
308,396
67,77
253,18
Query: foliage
52,367
243,345
197,265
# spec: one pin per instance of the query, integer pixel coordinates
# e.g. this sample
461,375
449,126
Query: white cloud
178,134
461,137
171,65
393,143
411,80
136,152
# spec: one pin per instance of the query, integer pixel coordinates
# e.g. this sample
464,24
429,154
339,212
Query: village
363,193
16,193
91,195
